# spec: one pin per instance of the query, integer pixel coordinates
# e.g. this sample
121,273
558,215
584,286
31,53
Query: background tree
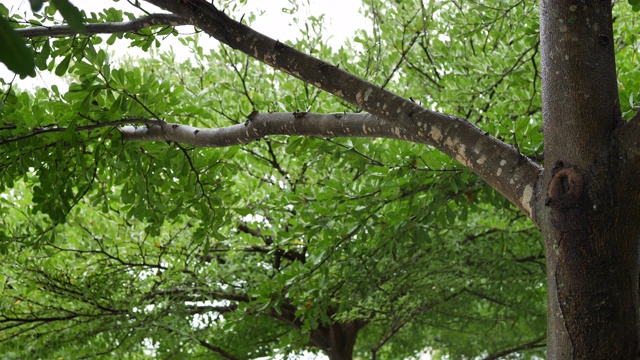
123,235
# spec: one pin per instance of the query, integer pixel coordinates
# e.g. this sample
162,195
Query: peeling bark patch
367,93
481,160
459,149
525,199
270,59
435,134
359,99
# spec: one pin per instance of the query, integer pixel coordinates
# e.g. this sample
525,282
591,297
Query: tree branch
396,326
261,125
56,129
537,343
218,350
497,163
106,28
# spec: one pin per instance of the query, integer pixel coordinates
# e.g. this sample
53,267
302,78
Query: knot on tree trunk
566,188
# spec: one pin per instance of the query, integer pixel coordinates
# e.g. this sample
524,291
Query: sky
343,18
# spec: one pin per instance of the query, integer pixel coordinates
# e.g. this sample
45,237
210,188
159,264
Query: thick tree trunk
587,202
337,340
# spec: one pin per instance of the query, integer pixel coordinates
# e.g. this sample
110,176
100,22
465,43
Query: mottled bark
587,204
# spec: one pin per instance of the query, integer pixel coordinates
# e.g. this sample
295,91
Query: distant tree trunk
587,206
337,340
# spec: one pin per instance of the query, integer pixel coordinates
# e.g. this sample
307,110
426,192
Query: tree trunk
337,340
587,205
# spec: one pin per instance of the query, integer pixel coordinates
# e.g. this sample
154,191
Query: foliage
134,250
17,56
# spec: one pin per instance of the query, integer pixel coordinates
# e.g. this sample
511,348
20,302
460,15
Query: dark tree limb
216,349
105,28
534,344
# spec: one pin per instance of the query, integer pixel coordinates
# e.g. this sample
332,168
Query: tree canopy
220,208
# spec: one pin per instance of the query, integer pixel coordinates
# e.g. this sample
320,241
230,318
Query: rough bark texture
587,204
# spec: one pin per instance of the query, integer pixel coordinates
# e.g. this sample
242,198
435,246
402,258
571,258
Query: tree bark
337,340
587,205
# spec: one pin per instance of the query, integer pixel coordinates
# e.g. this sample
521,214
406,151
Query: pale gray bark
261,125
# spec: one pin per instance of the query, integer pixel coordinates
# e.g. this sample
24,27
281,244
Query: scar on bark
566,187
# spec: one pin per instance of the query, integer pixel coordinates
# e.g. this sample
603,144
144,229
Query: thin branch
399,325
216,349
537,343
57,129
106,28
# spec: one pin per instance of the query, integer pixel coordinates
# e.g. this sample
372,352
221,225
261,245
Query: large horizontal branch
261,125
497,163
106,28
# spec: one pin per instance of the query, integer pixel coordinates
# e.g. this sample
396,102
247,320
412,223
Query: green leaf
36,5
61,69
43,56
70,13
15,54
